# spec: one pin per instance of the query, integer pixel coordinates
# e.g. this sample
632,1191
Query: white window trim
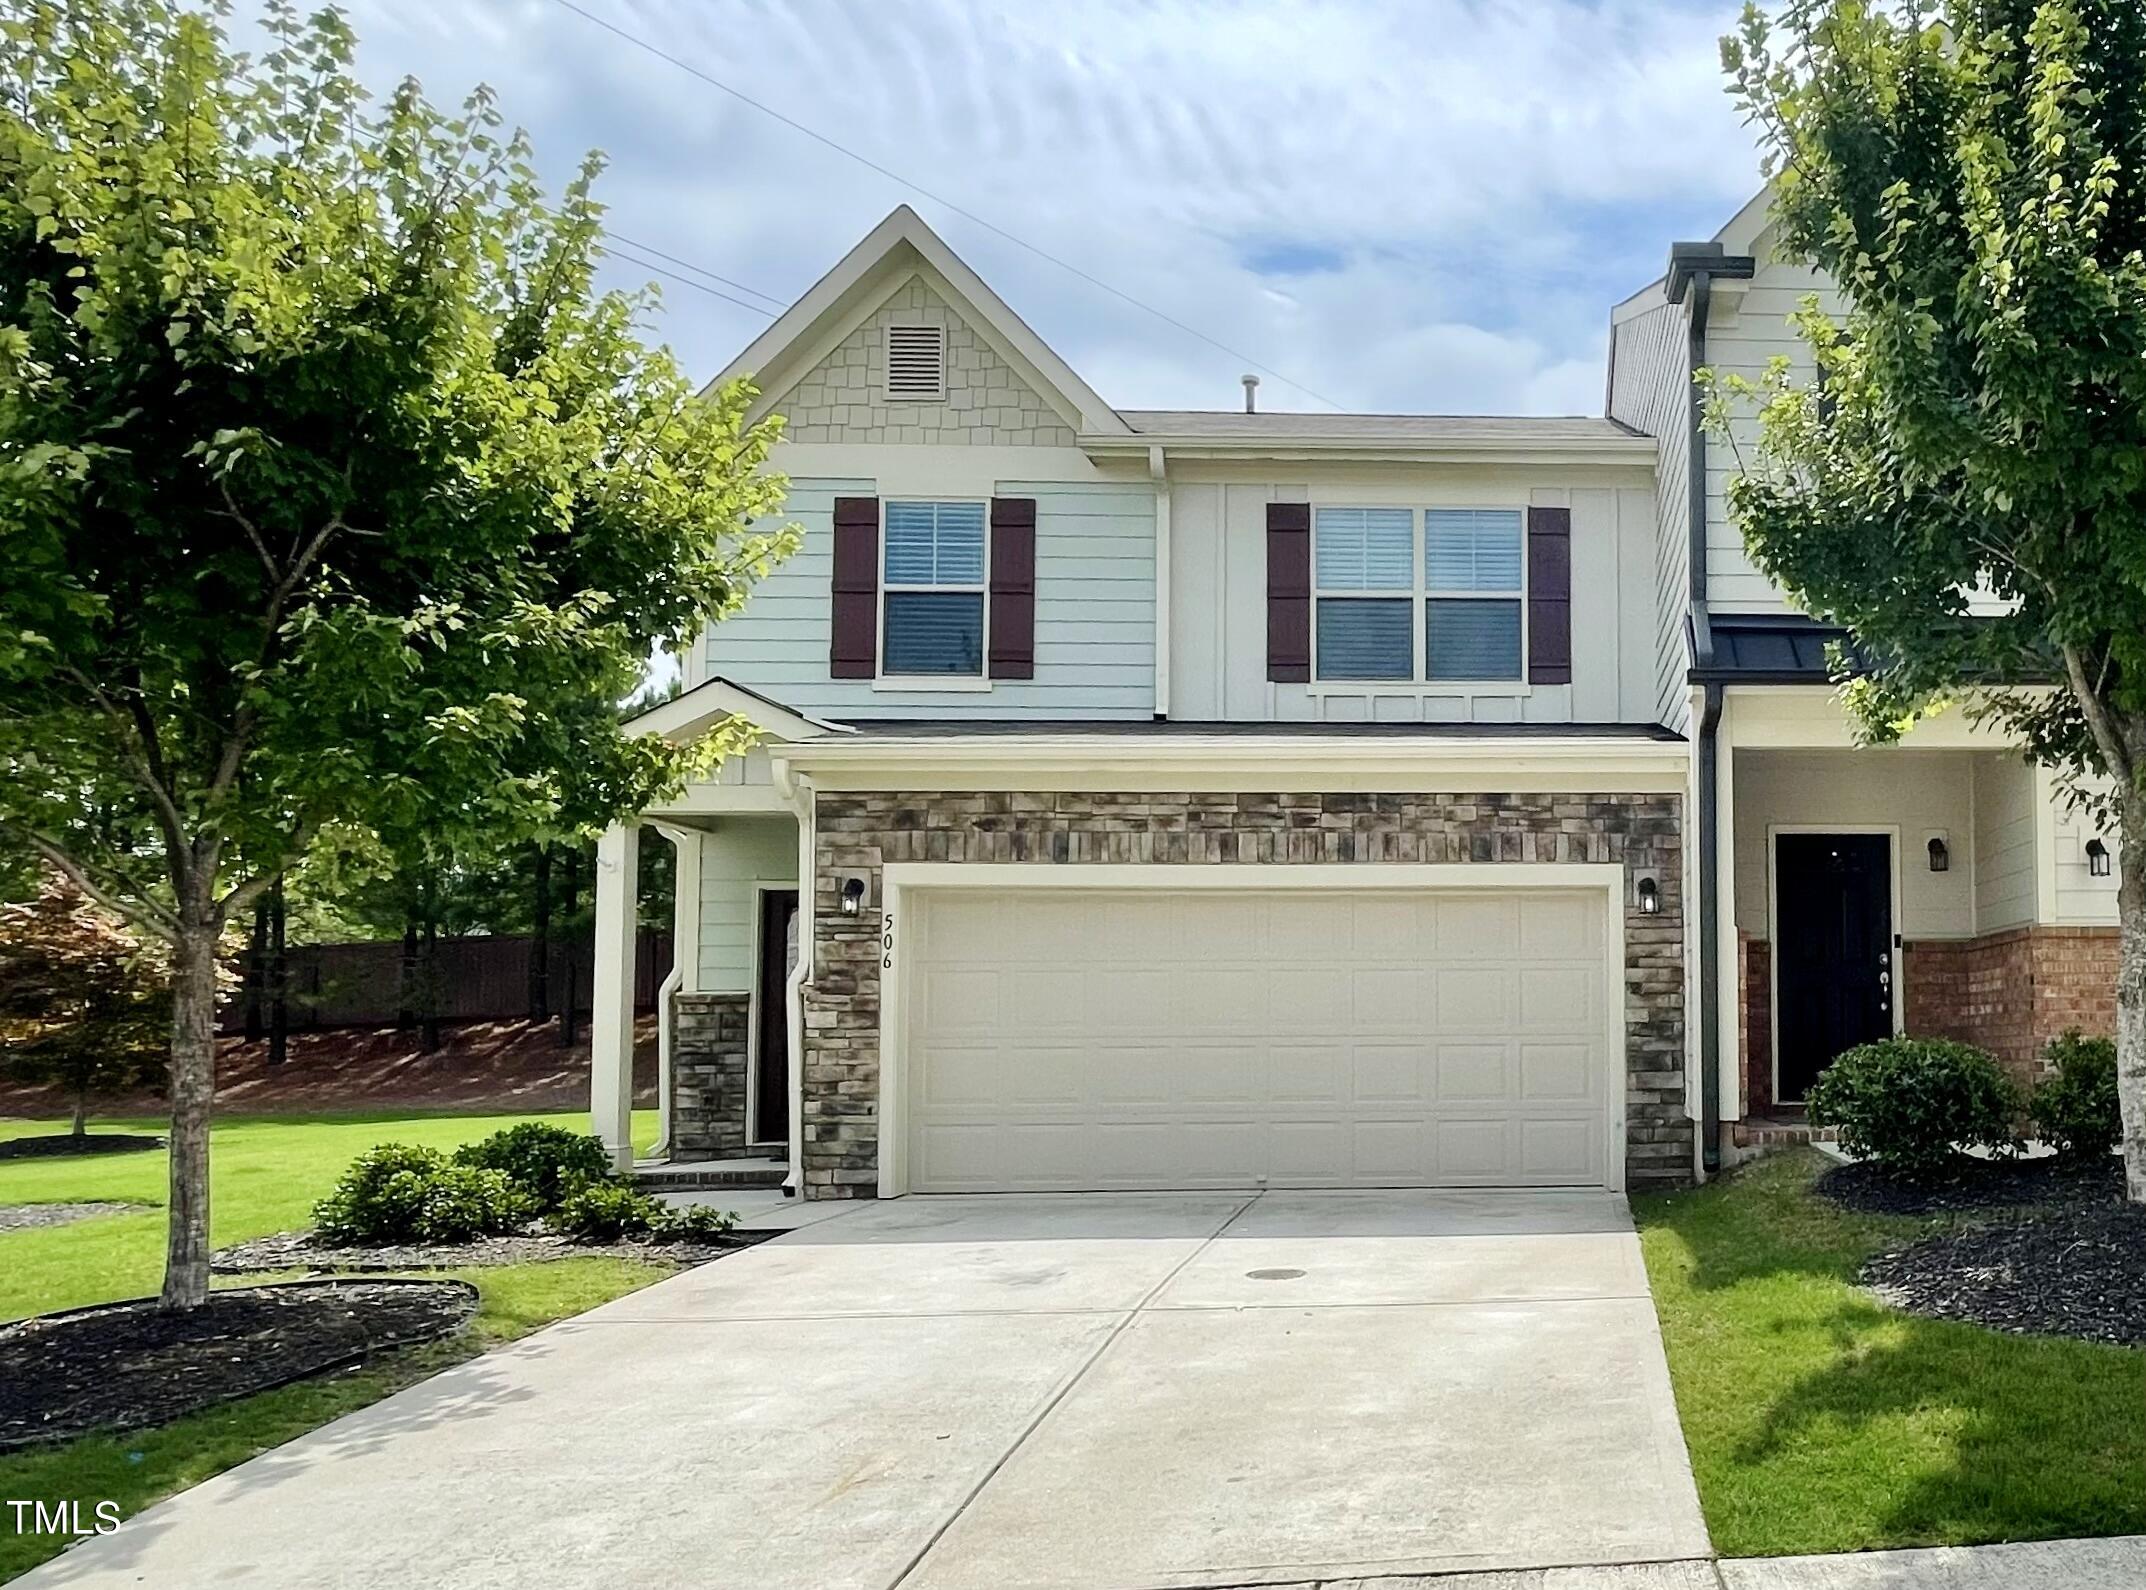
886,359
1418,595
952,683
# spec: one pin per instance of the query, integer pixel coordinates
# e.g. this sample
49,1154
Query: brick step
1761,1135
696,1177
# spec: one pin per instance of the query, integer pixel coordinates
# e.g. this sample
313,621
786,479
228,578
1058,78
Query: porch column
611,1002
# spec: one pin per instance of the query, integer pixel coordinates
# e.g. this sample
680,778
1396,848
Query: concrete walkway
2115,1564
1061,1393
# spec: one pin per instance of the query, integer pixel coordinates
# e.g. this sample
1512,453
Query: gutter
1610,449
1693,269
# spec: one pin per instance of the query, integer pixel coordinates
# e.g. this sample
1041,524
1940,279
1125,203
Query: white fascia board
1471,450
1252,762
692,713
1741,232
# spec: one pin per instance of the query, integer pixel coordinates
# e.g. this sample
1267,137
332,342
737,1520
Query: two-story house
1161,799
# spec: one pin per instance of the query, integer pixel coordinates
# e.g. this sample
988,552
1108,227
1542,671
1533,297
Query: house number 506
886,943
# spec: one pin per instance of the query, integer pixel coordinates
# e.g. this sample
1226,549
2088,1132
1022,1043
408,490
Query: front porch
1940,887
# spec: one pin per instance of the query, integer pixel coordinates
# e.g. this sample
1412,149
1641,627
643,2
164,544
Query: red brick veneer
2012,991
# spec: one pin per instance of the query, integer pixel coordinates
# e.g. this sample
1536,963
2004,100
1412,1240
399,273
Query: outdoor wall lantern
2097,858
852,896
1650,896
1940,856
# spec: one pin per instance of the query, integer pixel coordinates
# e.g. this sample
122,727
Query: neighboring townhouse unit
1160,799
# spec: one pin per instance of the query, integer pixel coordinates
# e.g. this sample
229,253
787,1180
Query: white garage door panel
1069,1039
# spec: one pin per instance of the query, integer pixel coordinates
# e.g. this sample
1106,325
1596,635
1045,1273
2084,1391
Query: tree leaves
332,495
1969,497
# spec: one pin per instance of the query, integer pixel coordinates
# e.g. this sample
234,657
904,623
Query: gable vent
916,362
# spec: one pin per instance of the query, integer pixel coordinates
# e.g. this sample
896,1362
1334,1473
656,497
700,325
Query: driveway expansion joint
1063,1391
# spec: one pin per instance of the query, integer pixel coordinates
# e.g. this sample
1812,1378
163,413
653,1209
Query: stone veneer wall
2012,991
709,1044
858,832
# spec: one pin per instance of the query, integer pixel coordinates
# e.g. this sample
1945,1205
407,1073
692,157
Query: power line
698,270
918,188
712,292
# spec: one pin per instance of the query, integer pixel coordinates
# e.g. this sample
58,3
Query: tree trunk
256,970
431,984
573,960
81,1127
193,1089
279,1014
2131,990
540,940
406,1001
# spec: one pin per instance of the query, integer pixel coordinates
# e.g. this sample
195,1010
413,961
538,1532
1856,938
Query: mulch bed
121,1366
58,1145
34,1217
298,1250
2045,1183
2079,1272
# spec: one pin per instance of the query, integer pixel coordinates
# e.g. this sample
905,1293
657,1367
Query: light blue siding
1095,614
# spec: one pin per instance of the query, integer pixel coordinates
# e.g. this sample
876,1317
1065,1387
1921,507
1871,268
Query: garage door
1064,1039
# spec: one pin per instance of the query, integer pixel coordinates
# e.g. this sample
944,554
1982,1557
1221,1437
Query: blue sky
1425,205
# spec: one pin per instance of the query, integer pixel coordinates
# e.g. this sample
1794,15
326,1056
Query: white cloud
1469,184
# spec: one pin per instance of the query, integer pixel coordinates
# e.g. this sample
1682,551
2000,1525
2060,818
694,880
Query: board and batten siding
739,853
1095,612
1218,608
1650,391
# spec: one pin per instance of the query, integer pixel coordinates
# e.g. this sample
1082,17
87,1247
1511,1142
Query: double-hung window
1408,596
932,613
1473,579
1364,579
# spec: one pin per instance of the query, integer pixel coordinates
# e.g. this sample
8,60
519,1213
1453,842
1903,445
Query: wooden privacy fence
489,978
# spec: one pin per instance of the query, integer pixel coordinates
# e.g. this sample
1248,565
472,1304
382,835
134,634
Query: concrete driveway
1081,1392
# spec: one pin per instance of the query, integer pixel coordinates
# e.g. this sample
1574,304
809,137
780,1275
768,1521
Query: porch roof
1771,649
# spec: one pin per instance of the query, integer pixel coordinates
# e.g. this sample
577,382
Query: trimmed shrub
608,1211
1912,1104
546,1162
397,1193
604,1212
2075,1109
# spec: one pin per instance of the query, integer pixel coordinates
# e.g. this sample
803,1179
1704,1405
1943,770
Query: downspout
1693,268
1159,469
1702,645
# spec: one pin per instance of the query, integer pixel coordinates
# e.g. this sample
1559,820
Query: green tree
336,504
1972,175
84,1001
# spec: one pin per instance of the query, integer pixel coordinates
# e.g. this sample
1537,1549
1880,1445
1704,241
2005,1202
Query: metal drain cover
1274,1275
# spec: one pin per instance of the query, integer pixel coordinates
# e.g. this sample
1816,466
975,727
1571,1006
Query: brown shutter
1550,596
1289,592
1013,588
854,653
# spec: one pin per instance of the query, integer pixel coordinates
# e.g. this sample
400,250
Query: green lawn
267,1171
1820,1421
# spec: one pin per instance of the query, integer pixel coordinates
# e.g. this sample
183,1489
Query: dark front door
771,1066
1833,925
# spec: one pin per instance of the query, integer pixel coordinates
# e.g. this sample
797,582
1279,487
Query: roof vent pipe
1251,394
